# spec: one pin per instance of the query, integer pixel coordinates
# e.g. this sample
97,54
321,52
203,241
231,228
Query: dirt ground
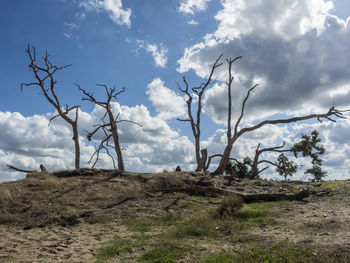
322,220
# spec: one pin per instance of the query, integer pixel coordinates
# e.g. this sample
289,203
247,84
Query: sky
296,50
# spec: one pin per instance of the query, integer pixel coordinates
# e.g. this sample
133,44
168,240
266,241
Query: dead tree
254,170
109,128
44,76
233,135
239,132
201,154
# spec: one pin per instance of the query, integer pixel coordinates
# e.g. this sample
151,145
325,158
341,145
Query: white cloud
159,53
295,50
192,6
67,35
114,8
192,22
27,142
166,102
80,16
335,137
71,26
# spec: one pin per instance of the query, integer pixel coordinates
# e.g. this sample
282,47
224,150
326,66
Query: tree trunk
76,143
255,171
116,139
202,160
225,159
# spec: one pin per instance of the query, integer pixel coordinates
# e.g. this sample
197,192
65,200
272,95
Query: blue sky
297,51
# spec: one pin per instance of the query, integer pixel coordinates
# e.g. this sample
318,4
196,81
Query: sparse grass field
126,219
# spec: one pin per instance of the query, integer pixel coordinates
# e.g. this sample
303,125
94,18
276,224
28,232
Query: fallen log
247,198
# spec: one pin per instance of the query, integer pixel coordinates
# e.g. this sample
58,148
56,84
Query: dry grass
156,225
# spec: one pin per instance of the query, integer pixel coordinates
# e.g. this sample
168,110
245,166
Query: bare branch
20,170
242,108
44,76
209,160
133,122
332,111
109,128
269,162
184,120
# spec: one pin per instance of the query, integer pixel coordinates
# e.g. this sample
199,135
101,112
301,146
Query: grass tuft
280,253
118,246
138,225
165,253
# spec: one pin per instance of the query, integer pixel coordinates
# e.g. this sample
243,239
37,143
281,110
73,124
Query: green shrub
230,205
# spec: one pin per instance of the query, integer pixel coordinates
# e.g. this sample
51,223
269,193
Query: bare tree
109,128
233,132
255,171
44,76
239,132
201,154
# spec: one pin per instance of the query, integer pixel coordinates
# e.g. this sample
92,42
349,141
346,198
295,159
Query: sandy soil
50,244
323,220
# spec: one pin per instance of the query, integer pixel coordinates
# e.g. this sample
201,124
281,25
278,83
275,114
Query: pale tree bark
332,112
44,76
201,154
258,152
229,95
232,138
110,128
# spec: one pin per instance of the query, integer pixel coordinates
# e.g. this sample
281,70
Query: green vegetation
230,205
138,225
285,167
334,185
168,252
280,253
117,246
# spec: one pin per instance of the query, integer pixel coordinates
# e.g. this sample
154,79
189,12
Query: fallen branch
247,198
20,170
172,203
119,202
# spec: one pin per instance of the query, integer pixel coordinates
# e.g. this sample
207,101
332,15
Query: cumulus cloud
166,102
159,53
192,22
294,49
114,8
192,6
27,142
334,136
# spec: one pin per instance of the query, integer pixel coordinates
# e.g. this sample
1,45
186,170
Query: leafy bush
230,205
317,172
285,167
240,169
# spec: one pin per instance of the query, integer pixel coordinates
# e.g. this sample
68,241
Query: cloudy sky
298,51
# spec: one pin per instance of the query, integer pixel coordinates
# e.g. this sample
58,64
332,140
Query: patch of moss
117,246
165,253
138,225
334,185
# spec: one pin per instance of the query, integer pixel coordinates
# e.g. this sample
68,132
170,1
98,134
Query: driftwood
20,170
247,198
42,169
205,187
172,203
